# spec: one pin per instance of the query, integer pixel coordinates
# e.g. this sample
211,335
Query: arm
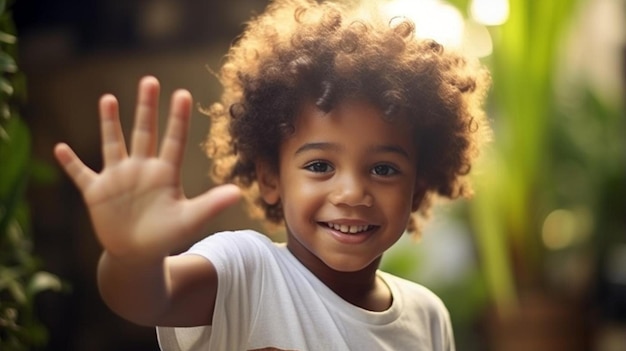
140,215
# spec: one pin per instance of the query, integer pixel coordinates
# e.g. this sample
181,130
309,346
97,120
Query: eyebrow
317,146
395,149
334,147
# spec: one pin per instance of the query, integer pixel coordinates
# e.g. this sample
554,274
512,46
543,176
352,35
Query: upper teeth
344,228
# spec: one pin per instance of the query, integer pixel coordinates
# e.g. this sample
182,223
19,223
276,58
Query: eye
319,167
384,170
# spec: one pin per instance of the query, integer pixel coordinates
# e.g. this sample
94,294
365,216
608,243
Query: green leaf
43,281
6,86
5,112
3,6
7,63
7,38
17,291
7,275
14,155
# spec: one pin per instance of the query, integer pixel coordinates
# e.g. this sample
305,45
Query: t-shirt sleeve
235,255
441,326
424,310
444,336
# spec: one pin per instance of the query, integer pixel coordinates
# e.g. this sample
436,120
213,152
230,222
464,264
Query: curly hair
301,50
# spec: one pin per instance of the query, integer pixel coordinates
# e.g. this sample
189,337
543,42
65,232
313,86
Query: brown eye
384,170
319,167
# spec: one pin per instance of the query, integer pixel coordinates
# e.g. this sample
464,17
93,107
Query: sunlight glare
489,12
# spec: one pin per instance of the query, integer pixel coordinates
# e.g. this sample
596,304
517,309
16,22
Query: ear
267,178
418,195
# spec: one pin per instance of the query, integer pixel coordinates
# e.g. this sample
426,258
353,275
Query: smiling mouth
350,229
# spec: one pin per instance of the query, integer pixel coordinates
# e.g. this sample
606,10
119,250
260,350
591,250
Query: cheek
397,202
300,198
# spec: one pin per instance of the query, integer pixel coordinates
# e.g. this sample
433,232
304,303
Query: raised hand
136,203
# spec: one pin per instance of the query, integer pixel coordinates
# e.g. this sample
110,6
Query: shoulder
237,236
246,247
420,306
239,239
414,295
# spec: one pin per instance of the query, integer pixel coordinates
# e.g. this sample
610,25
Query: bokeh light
489,12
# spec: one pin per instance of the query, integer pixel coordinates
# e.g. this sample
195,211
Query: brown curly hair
300,50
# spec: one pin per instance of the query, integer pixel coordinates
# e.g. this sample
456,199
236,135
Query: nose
351,190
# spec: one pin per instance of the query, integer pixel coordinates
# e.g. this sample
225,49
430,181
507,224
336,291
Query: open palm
136,203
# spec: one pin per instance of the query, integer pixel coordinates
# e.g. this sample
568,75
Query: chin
347,267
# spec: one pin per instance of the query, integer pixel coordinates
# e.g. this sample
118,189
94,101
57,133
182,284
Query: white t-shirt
267,300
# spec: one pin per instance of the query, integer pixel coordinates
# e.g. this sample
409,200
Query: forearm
137,291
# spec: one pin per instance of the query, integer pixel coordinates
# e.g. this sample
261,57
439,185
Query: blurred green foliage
555,152
549,154
20,276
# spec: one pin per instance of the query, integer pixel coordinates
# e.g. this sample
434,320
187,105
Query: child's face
347,182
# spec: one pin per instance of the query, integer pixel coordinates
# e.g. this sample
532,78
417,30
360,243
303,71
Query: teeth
348,229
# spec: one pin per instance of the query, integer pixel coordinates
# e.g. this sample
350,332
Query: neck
362,288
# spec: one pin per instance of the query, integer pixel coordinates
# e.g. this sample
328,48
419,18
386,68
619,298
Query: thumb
214,201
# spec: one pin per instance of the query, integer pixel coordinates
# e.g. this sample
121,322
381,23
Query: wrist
131,261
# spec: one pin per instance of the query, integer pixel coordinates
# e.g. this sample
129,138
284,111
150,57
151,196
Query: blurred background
535,261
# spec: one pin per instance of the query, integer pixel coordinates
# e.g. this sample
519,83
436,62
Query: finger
175,139
210,204
144,139
80,174
113,145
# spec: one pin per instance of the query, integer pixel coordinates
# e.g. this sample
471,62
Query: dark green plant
20,276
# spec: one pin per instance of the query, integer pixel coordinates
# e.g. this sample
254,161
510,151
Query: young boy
338,127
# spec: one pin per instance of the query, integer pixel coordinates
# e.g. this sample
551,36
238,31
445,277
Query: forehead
351,122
